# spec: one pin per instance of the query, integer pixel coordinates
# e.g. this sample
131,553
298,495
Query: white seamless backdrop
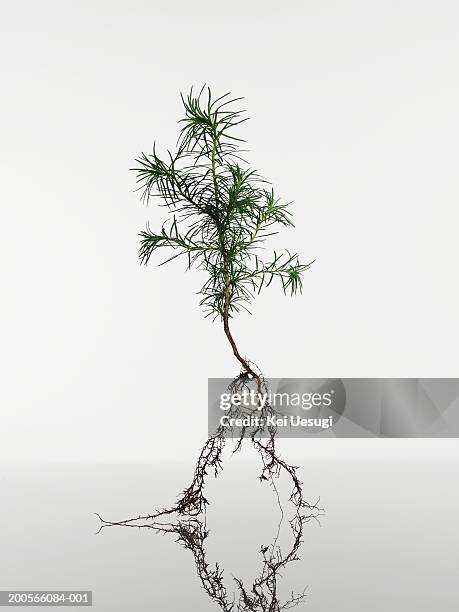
354,117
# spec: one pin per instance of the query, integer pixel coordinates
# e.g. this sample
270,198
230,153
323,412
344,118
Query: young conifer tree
221,211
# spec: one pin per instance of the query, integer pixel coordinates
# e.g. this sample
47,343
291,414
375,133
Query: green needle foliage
221,210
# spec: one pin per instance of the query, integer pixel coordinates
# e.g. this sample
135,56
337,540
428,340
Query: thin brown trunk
232,342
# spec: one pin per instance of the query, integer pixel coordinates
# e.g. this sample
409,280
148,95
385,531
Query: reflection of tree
190,527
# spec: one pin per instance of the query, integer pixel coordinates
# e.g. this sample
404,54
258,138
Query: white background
354,117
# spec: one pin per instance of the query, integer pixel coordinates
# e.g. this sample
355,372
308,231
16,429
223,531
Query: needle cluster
220,210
